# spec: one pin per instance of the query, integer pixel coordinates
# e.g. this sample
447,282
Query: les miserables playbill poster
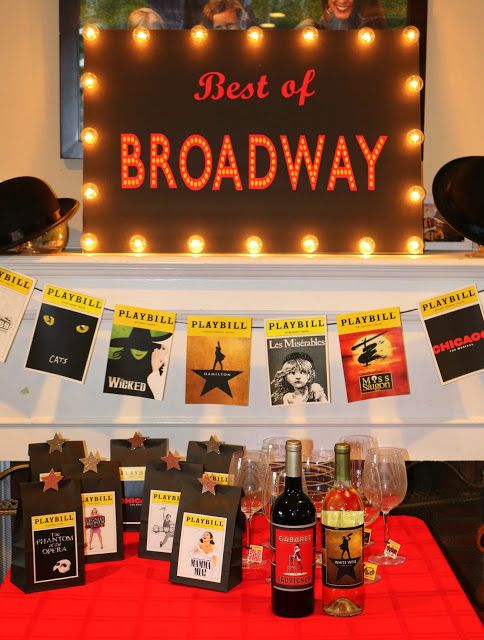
373,354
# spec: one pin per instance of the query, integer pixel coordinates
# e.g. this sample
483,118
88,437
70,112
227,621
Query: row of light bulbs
254,244
309,34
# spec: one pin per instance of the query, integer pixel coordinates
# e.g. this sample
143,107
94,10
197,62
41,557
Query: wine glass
371,495
247,471
318,477
390,462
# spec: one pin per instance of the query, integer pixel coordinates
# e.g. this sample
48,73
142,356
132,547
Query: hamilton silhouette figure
219,357
344,546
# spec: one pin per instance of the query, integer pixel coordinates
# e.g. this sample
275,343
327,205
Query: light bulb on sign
137,243
366,246
199,33
255,34
88,241
254,245
276,14
141,34
90,191
90,32
366,35
88,81
415,245
310,243
415,137
310,34
89,135
268,25
411,34
196,244
416,194
414,84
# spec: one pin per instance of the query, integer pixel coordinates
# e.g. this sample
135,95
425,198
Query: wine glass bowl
390,463
247,471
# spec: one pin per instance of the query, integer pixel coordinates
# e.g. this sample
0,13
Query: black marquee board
352,90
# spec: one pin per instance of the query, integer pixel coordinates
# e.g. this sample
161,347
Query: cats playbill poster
297,356
454,323
139,352
15,292
64,333
373,354
218,360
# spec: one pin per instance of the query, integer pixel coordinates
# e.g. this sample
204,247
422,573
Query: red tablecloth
418,600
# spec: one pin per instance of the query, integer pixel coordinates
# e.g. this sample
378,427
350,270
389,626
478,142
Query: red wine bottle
293,524
343,520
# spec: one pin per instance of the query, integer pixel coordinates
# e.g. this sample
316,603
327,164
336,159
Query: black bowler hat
458,190
139,339
28,209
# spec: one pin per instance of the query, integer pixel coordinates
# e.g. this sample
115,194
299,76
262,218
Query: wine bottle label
344,556
293,557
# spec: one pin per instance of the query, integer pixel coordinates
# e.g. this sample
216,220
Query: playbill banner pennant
139,352
454,323
373,354
15,292
218,360
64,333
297,357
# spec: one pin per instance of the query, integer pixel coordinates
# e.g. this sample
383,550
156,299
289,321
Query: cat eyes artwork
64,333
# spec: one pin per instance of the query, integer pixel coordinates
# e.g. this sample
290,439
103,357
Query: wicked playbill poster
64,333
139,352
373,354
15,292
218,360
455,328
297,356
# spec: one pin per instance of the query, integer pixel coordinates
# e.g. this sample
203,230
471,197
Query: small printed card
370,570
297,357
161,520
218,360
366,537
15,292
139,352
202,543
99,515
54,540
254,554
373,354
391,549
454,323
64,333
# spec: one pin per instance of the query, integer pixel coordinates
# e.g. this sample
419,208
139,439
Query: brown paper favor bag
160,507
41,461
207,547
132,466
102,516
47,541
216,465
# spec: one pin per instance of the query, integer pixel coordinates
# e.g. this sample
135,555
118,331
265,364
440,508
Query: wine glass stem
249,518
386,531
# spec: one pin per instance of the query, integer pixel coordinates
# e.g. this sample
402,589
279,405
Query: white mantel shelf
434,422
121,266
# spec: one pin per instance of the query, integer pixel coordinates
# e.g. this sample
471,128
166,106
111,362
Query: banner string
259,326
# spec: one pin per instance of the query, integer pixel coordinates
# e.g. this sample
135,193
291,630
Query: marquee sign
228,138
